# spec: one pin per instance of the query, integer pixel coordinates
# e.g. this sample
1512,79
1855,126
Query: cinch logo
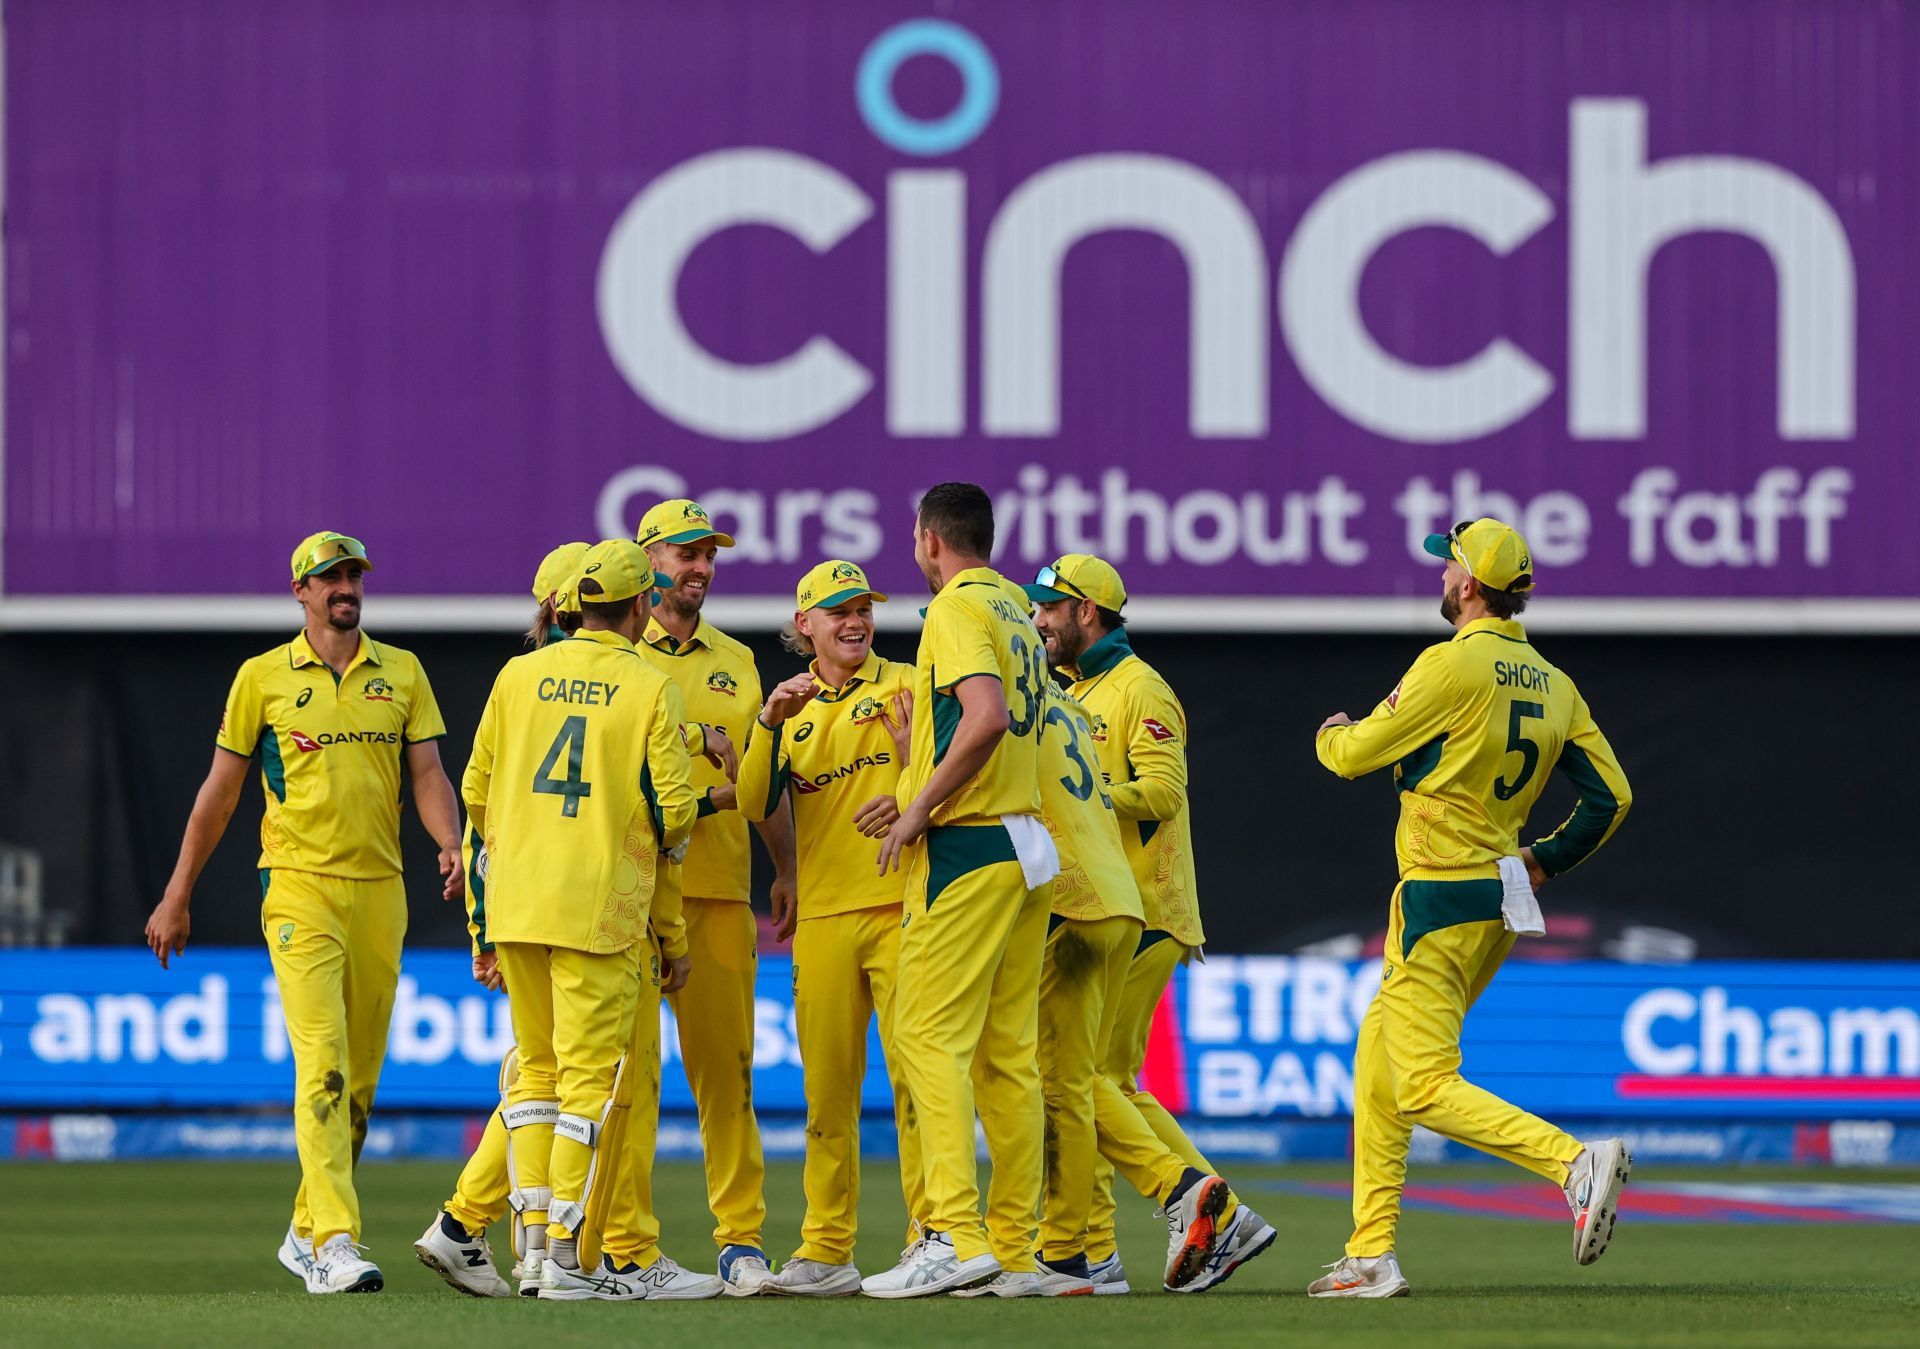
379,691
722,682
1623,210
1707,1047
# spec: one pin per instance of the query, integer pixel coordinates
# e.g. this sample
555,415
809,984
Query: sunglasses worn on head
1053,580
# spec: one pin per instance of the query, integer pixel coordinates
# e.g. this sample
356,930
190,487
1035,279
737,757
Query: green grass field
183,1253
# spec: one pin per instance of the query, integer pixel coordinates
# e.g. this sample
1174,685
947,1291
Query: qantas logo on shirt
1393,699
845,770
312,745
1156,729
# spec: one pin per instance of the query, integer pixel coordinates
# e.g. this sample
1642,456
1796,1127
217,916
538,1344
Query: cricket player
579,779
1139,733
829,740
333,715
979,864
1471,732
714,1012
1095,929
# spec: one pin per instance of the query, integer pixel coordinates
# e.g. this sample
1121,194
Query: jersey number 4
572,740
1517,743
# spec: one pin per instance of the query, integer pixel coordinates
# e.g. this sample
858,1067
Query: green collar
1104,654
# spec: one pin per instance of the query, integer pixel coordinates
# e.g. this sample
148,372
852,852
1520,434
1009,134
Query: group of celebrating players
988,850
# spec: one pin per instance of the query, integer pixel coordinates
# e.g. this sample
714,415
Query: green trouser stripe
953,850
266,879
1428,906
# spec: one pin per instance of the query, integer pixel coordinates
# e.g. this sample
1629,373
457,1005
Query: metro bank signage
1240,1038
1247,299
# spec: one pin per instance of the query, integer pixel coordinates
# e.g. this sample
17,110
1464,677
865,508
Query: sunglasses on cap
1053,580
330,552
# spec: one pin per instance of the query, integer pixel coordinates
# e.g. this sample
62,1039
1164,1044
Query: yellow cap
317,552
678,521
557,568
1493,553
1079,576
620,569
832,583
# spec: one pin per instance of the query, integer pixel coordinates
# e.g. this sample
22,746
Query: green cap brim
1045,594
692,535
842,596
1437,545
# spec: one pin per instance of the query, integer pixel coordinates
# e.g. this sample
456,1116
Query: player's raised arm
766,765
1419,708
1157,749
1589,763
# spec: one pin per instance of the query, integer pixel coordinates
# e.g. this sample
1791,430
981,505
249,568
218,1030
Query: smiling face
842,634
1061,627
691,567
333,596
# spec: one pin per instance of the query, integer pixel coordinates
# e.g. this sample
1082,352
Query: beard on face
1450,605
681,604
347,622
1069,640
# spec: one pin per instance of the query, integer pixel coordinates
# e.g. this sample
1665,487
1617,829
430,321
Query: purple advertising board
1247,298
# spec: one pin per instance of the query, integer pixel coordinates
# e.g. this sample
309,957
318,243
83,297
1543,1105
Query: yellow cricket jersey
1472,732
579,778
978,625
330,752
1140,734
832,756
1095,880
720,687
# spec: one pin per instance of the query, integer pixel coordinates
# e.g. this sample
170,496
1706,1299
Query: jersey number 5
1517,743
573,740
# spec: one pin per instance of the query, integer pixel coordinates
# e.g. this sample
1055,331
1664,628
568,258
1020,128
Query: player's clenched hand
1535,872
897,717
1337,719
877,816
167,929
721,753
908,830
674,976
723,796
788,697
786,907
455,886
486,970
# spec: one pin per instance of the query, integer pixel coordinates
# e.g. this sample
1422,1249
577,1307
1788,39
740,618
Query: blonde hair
795,640
546,618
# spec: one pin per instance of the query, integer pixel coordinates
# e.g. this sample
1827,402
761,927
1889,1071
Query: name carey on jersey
806,785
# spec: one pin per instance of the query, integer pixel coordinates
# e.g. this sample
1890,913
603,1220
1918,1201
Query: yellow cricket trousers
715,1017
843,973
623,1222
1088,1116
480,1195
335,946
572,1018
1148,974
1406,1068
967,1025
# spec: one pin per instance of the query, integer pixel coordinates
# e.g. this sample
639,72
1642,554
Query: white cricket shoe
1361,1276
600,1284
1192,1229
1246,1235
526,1272
1594,1182
814,1278
296,1254
1007,1283
339,1267
466,1265
667,1281
928,1267
744,1270
1061,1278
1109,1276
